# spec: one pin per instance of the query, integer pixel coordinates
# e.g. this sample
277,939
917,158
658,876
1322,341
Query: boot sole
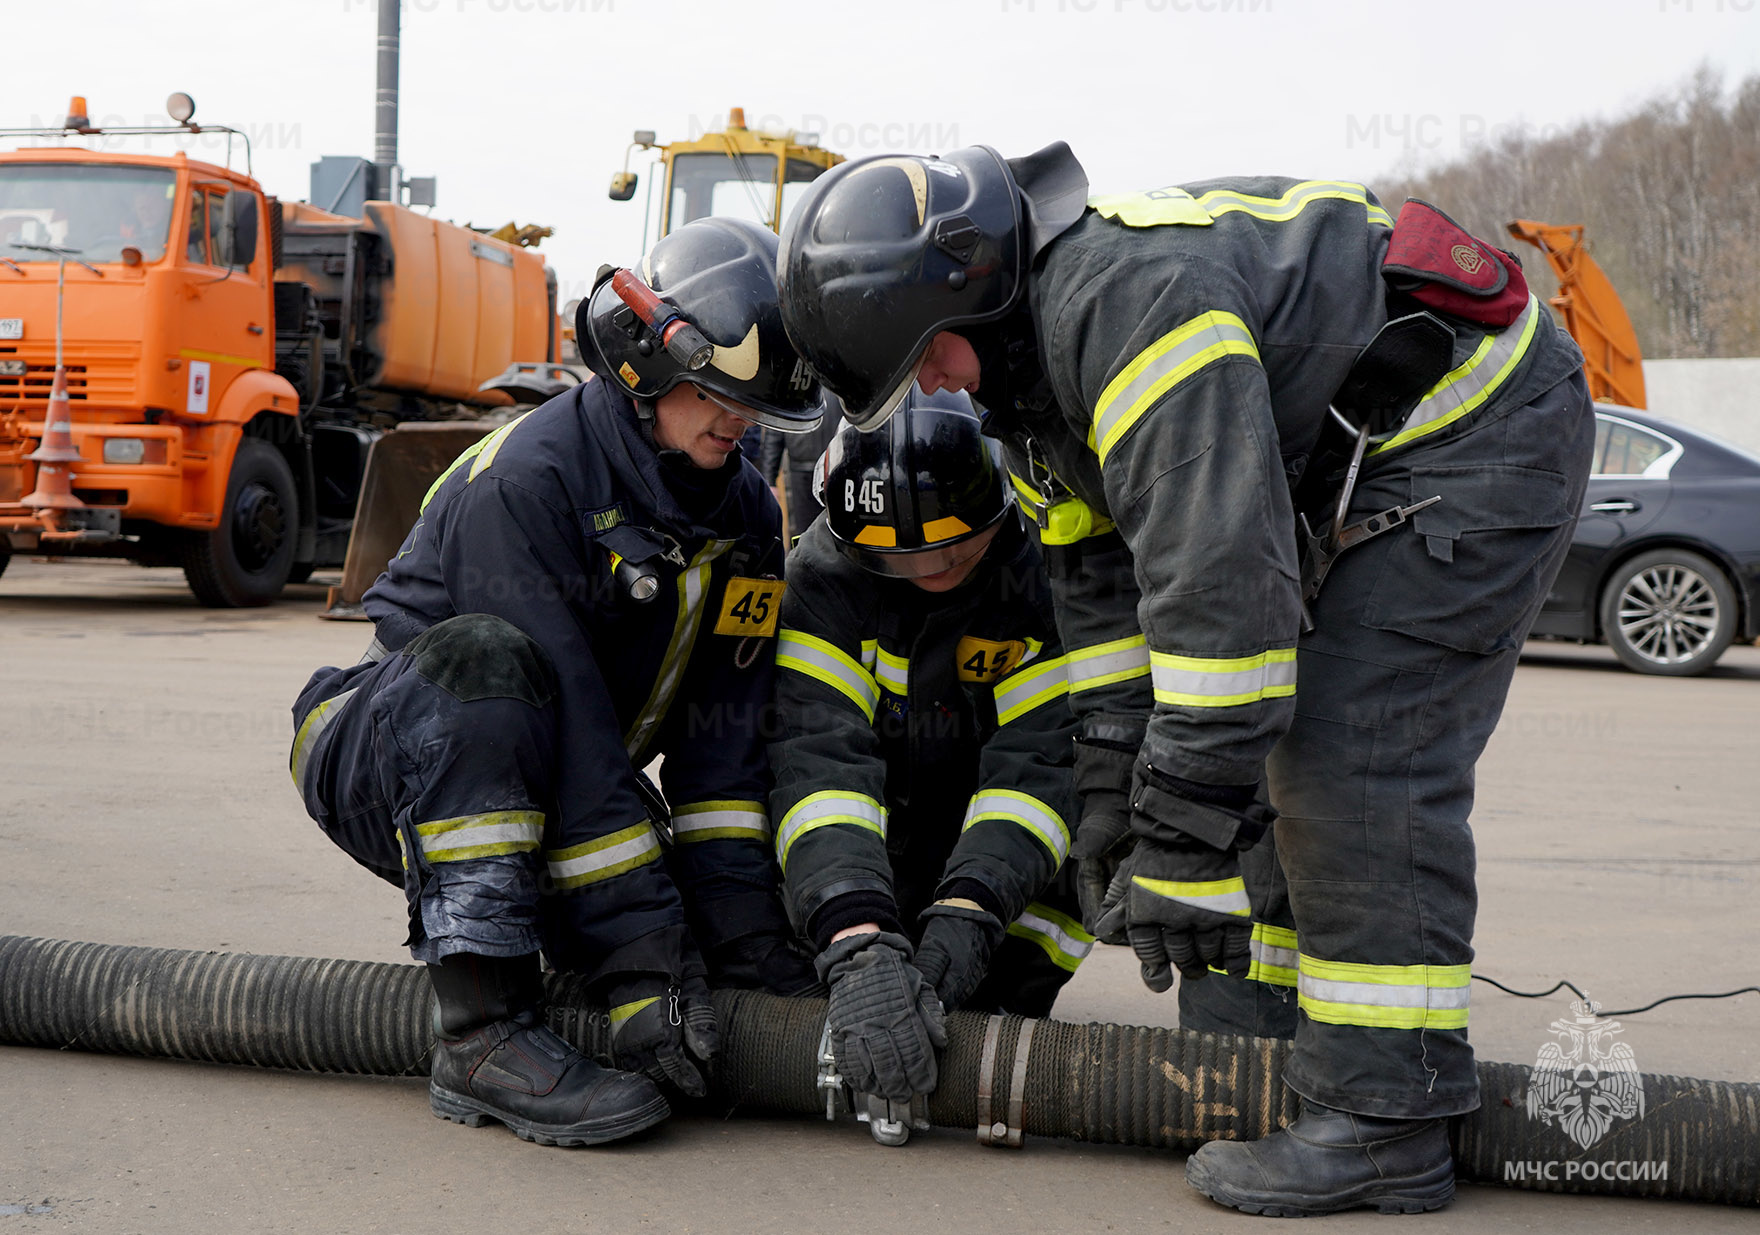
1414,1195
472,1113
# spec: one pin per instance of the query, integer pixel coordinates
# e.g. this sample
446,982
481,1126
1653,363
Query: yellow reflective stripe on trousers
1204,682
822,809
1469,385
1218,896
1274,955
1384,996
1029,812
828,663
602,859
700,821
693,586
1103,664
623,1011
1296,199
481,836
892,672
1060,935
317,720
1025,689
1160,367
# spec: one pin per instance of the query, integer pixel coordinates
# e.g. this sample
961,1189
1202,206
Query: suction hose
1112,1084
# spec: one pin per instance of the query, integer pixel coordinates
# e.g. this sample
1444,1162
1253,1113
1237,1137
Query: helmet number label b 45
869,496
751,607
986,660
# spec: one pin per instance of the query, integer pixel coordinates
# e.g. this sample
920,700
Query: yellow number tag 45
751,607
985,660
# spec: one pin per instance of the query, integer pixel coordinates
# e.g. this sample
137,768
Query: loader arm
1592,312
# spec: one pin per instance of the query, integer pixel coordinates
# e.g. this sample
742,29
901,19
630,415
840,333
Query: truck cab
160,271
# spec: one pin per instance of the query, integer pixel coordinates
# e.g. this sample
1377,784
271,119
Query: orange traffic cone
54,491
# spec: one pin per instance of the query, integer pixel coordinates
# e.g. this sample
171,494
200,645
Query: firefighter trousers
1399,687
399,757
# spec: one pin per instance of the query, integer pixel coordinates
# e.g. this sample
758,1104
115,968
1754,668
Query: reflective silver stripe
693,586
1473,382
1274,955
1218,896
893,672
375,652
1205,682
701,821
1160,367
1025,689
1103,664
604,858
1024,809
1062,938
481,836
826,662
1384,996
822,809
317,720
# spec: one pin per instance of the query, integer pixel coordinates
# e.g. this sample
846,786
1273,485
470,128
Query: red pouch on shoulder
1442,266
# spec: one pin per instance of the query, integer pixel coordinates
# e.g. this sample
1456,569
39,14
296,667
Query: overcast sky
522,108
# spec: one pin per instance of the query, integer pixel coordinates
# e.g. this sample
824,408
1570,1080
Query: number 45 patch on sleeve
751,607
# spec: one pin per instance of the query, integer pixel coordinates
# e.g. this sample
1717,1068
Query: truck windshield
741,186
95,210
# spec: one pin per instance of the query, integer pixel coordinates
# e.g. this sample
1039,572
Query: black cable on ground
1117,1084
1567,984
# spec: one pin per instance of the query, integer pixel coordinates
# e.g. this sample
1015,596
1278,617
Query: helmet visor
882,409
770,420
922,563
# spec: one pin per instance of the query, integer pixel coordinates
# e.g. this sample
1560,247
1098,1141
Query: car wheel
1669,612
245,561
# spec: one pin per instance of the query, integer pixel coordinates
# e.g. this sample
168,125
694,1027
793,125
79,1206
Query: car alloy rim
1668,614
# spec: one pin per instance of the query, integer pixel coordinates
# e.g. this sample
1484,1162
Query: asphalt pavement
147,800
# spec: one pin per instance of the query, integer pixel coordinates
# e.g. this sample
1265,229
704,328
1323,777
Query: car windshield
93,210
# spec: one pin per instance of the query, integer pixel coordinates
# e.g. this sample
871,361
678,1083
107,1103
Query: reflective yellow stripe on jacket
826,662
1046,825
1060,935
1470,384
317,720
1160,367
481,836
823,809
1206,682
1384,996
693,588
701,821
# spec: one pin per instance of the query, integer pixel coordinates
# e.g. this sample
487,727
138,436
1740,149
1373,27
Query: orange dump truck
230,358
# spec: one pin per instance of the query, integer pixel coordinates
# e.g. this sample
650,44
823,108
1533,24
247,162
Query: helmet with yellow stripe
918,496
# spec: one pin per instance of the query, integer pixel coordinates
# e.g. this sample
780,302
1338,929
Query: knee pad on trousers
481,656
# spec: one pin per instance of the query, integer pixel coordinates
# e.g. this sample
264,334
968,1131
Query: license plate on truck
11,327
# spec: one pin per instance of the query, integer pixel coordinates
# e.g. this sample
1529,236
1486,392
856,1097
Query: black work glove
1182,902
1103,837
664,1028
765,961
958,938
885,1021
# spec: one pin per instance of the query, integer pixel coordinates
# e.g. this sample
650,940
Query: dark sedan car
1665,567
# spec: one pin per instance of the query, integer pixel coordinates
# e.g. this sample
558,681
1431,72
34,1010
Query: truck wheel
245,561
1669,612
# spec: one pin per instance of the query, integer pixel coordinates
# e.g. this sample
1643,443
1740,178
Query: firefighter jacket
923,740
1191,339
549,523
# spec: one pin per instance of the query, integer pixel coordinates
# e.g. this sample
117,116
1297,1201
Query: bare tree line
1670,199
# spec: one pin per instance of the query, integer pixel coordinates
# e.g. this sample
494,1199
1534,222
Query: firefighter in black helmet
592,586
1181,372
922,762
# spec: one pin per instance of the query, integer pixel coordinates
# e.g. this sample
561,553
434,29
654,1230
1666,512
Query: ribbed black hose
1113,1084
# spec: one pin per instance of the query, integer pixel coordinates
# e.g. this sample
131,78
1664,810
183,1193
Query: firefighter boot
1327,1161
494,1059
